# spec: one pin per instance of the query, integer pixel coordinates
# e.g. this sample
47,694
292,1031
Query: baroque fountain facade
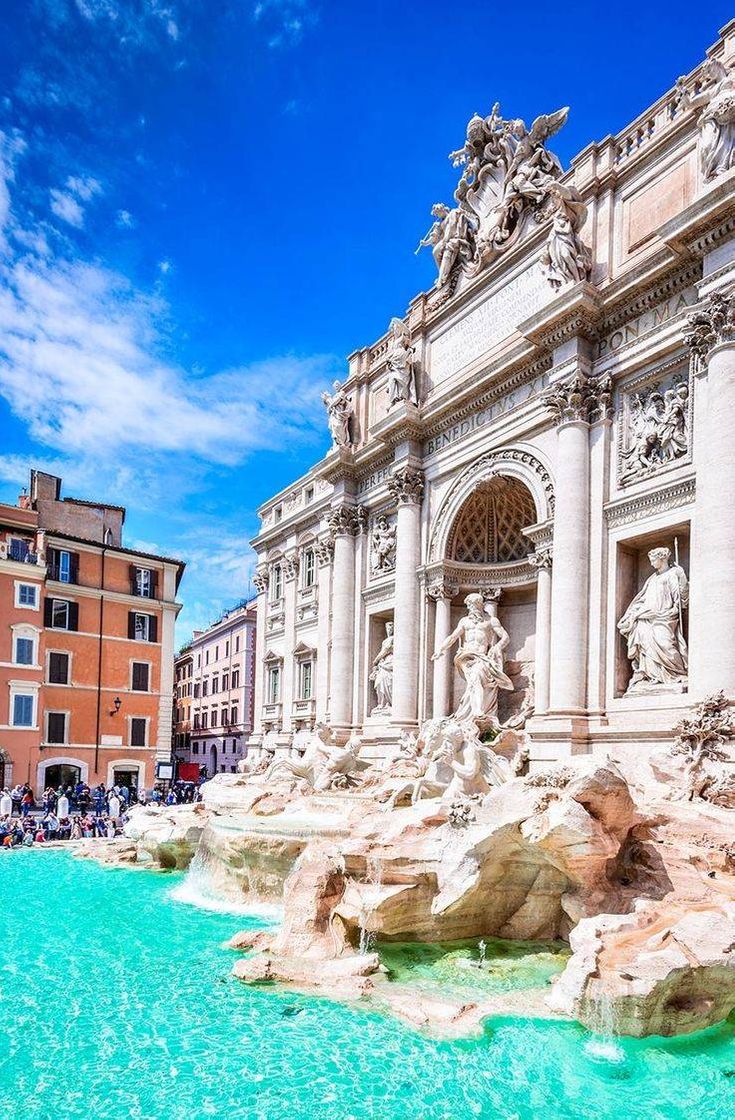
496,623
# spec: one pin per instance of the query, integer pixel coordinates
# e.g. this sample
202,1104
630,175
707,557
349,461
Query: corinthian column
711,336
542,563
406,486
260,581
325,556
290,574
574,402
344,523
441,594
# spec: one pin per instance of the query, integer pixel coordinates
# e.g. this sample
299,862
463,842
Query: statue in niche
381,674
717,122
401,365
451,240
653,627
382,546
566,259
339,414
480,661
659,429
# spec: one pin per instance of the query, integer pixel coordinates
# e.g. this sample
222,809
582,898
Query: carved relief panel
654,425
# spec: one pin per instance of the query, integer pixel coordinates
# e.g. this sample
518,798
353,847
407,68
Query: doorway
62,774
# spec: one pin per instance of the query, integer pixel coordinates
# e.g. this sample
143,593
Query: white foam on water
192,895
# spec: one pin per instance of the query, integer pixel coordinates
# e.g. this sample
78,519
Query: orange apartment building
86,644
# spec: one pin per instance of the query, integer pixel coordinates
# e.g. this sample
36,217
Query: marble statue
457,765
659,426
566,259
401,365
382,672
480,661
339,414
451,240
324,764
653,626
508,174
717,120
382,546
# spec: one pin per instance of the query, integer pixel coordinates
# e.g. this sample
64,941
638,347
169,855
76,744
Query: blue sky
205,205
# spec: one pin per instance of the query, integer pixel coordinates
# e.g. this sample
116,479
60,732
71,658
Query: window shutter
131,624
48,611
154,585
73,616
74,567
131,573
153,631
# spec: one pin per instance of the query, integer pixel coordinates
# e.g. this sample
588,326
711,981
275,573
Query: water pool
116,1002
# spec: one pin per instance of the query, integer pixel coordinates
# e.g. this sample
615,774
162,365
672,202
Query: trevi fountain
480,858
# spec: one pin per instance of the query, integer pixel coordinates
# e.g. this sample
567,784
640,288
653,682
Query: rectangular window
143,582
196,691
24,651
225,682
19,549
142,627
137,732
205,720
61,614
205,688
22,710
58,668
306,678
56,727
233,717
196,721
215,685
277,582
309,568
227,649
309,493
195,748
274,685
63,566
235,678
140,676
206,657
27,595
214,717
216,653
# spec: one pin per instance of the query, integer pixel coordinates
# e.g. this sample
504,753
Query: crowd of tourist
78,812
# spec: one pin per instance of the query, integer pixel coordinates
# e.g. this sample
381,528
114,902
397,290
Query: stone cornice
650,502
448,575
574,313
709,219
621,310
403,422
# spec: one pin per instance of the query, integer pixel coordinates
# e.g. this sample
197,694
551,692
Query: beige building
558,406
214,677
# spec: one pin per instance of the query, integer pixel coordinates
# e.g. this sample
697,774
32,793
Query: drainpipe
99,666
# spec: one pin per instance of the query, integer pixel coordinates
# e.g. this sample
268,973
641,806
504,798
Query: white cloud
284,21
67,204
164,267
125,219
66,207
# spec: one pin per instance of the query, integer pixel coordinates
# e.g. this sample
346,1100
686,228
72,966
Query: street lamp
116,704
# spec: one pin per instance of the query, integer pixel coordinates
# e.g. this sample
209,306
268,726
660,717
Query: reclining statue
324,764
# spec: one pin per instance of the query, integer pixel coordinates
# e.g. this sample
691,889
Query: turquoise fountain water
116,1002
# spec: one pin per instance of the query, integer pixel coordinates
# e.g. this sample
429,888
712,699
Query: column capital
406,486
441,588
324,550
580,398
291,565
347,521
260,579
541,558
712,325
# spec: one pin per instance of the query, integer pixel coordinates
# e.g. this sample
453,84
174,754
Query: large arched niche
488,528
470,492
